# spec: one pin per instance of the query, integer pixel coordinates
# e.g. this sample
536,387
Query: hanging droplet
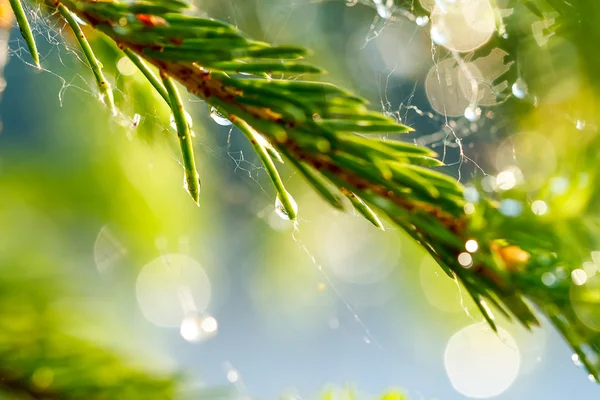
188,118
422,20
135,122
502,31
280,209
472,113
591,378
218,117
519,89
576,360
580,125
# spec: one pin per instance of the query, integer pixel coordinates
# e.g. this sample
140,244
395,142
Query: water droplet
438,35
591,378
580,125
472,113
185,183
520,89
367,340
135,122
218,117
422,20
280,209
188,117
576,360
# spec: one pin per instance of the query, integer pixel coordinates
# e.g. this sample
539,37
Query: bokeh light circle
585,300
197,329
463,25
358,256
108,250
481,363
532,152
441,292
445,90
170,287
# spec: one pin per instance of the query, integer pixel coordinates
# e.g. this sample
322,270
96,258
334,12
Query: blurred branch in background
39,360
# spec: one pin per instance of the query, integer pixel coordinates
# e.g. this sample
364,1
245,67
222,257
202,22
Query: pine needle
25,29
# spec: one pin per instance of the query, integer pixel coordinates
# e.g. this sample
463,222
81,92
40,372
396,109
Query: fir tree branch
316,125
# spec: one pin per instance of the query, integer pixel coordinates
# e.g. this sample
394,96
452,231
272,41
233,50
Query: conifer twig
317,125
103,84
25,29
288,203
192,181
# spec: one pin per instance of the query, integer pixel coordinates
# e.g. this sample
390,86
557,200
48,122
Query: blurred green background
92,212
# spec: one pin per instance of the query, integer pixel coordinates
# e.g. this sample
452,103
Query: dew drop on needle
188,118
218,117
280,209
519,89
